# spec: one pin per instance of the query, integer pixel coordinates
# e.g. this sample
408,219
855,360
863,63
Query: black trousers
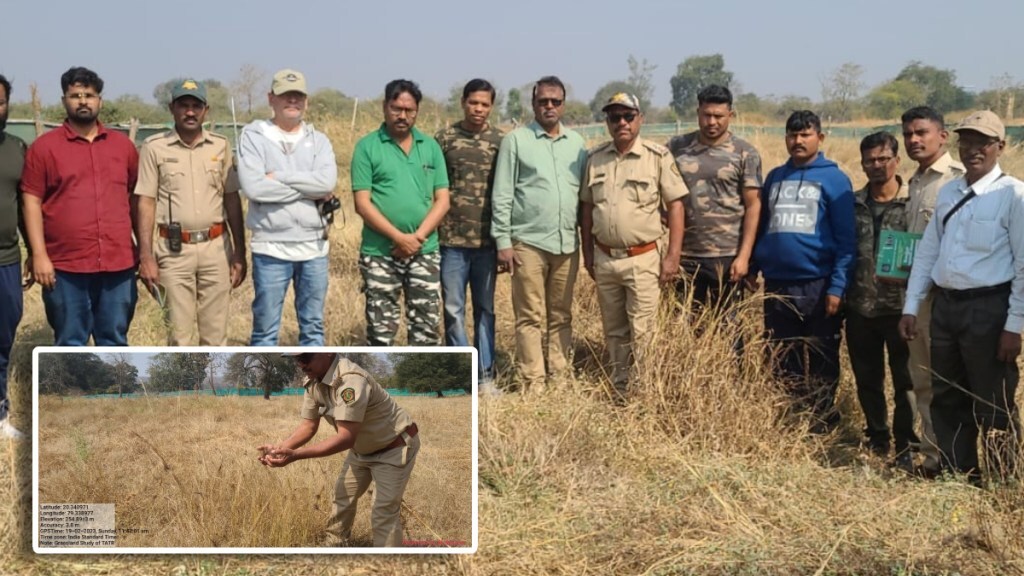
708,280
973,390
808,355
868,339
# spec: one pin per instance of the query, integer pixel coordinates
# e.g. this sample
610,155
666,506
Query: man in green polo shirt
534,205
400,184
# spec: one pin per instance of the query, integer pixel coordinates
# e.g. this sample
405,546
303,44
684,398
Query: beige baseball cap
622,99
288,80
984,122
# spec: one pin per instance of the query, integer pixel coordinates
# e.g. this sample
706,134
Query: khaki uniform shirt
628,191
924,190
188,183
348,393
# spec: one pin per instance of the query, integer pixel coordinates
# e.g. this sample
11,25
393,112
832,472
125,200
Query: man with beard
467,250
806,245
76,190
288,172
924,134
185,189
12,160
626,184
400,184
972,254
535,205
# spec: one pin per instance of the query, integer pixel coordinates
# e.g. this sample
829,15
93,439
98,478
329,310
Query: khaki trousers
628,293
542,286
389,471
921,376
198,284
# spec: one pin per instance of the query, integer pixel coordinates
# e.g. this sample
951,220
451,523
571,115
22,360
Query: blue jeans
476,267
97,304
270,279
11,305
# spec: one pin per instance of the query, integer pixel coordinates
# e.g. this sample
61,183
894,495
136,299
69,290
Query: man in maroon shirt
76,189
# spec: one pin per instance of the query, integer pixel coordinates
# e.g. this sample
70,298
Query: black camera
174,236
328,208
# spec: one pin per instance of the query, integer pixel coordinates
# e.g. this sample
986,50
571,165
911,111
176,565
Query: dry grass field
703,473
184,469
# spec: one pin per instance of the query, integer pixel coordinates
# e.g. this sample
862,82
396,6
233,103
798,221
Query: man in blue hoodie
287,171
806,248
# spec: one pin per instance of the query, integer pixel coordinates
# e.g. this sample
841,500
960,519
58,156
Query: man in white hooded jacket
288,172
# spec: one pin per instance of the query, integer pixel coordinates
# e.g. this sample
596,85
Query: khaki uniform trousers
542,285
628,294
198,284
921,376
389,471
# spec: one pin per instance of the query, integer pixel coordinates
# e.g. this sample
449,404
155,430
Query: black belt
972,293
411,430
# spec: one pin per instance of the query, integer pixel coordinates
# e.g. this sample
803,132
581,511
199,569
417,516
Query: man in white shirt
972,252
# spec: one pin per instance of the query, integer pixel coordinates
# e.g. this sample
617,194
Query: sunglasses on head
615,118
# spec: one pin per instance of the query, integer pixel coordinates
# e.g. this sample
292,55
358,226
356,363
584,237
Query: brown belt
627,252
411,430
197,236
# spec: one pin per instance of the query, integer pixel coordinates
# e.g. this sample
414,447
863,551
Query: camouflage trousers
419,277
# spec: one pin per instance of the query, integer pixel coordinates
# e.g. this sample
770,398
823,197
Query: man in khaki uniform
925,135
625,185
380,436
186,188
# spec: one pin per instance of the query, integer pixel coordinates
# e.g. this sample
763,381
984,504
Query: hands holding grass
276,456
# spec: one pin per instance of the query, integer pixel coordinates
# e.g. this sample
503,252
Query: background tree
126,374
218,96
607,91
172,371
840,91
514,105
434,372
247,87
268,371
692,76
889,100
69,372
938,86
329,103
377,364
641,78
1005,96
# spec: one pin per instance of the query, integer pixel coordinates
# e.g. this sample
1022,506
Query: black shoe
904,462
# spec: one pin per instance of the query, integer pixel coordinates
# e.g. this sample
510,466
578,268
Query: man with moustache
467,250
805,250
185,188
723,175
924,135
12,160
874,305
76,190
627,183
288,171
381,438
972,254
400,185
535,206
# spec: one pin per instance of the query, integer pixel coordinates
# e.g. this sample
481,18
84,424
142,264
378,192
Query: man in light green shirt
535,203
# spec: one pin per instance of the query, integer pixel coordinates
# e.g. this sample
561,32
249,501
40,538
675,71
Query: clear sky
779,47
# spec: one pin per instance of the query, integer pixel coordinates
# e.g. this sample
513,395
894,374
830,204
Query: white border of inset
229,350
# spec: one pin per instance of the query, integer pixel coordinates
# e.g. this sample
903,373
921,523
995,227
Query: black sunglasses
556,102
615,118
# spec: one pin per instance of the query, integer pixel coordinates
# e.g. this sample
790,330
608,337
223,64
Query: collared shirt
348,393
470,157
84,187
628,190
401,185
717,177
536,189
188,182
981,245
924,190
12,160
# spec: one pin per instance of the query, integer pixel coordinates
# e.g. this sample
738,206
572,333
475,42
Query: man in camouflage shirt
875,305
468,255
723,174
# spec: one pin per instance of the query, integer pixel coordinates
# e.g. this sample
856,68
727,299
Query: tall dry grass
703,473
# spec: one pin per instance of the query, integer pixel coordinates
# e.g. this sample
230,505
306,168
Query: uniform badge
348,395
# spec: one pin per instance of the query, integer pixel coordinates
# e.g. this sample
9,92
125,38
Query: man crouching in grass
380,436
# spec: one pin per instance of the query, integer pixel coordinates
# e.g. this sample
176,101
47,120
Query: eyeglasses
967,144
615,118
879,161
556,102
